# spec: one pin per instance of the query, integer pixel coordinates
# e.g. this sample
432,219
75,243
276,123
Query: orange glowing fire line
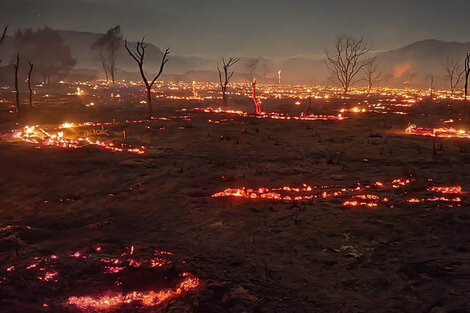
442,132
275,193
435,199
111,299
306,193
371,201
33,134
150,298
276,116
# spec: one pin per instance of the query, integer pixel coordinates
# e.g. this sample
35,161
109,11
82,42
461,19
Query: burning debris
117,280
444,132
41,137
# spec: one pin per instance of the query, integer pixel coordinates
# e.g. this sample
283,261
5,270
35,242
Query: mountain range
411,65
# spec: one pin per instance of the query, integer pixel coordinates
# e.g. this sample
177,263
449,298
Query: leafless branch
454,72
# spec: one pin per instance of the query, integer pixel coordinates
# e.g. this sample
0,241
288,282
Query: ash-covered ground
249,255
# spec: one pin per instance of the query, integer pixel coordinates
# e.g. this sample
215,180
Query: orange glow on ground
275,116
355,197
150,298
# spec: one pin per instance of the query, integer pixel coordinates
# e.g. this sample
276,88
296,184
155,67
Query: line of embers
100,280
359,195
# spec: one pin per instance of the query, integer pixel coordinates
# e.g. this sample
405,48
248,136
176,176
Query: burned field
343,209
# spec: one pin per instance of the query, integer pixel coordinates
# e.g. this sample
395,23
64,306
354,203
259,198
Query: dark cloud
250,27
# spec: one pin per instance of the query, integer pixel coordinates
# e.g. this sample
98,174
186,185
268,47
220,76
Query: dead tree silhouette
226,75
139,56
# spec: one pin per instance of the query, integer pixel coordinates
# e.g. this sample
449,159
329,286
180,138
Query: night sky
271,28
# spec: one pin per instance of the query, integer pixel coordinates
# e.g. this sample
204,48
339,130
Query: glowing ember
49,276
437,132
434,199
269,194
456,190
401,182
150,298
119,271
371,201
356,199
275,116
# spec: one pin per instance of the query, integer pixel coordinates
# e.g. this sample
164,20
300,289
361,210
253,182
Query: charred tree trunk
103,65
112,66
17,64
149,102
467,74
256,101
3,37
224,95
432,87
31,65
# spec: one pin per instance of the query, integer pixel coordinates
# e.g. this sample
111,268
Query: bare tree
346,59
113,48
139,56
372,74
454,73
224,78
17,65
3,37
108,47
31,66
467,73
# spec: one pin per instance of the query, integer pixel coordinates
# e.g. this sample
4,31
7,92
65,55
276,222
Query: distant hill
407,66
413,64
